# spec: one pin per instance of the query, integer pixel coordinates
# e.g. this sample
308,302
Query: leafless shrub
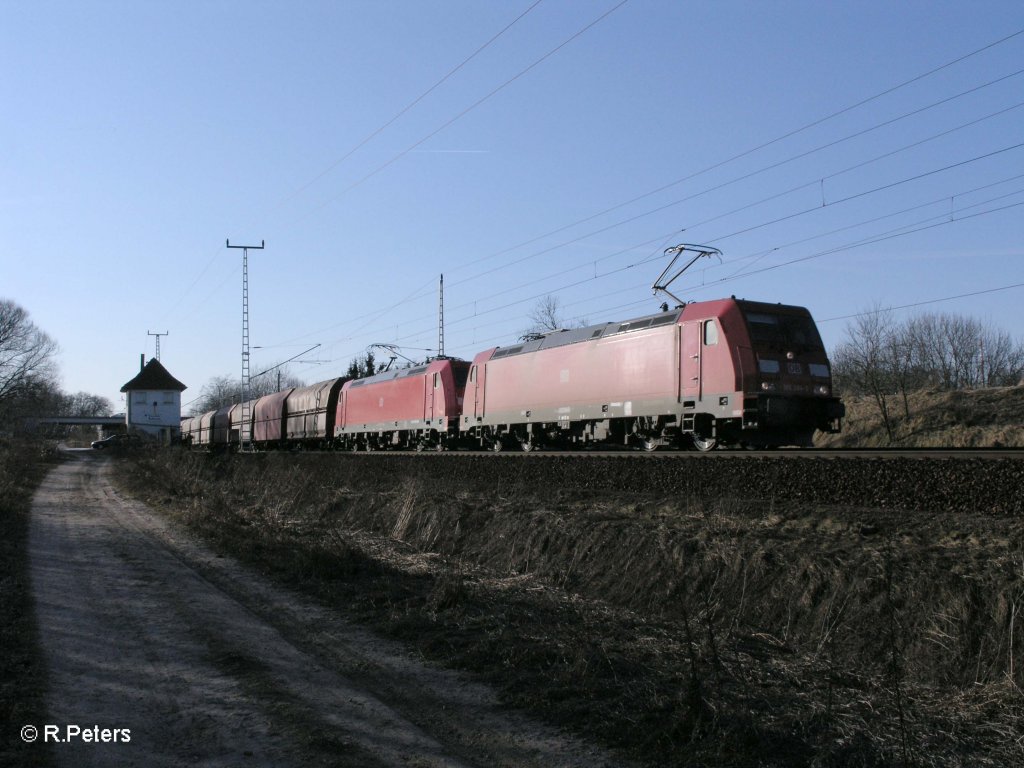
884,358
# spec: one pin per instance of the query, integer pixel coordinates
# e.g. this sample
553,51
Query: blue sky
139,136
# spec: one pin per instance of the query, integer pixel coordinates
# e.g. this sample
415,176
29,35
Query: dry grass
22,673
981,418
702,631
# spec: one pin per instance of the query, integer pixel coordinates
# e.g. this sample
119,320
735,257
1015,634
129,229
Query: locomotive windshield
783,330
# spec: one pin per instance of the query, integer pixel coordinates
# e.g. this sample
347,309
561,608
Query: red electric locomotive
415,407
729,372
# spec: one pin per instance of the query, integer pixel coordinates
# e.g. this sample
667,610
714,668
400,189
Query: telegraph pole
245,433
158,335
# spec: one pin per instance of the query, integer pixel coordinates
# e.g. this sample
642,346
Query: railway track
784,453
987,480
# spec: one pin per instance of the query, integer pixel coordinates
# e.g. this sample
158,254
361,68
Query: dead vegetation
929,418
683,624
22,676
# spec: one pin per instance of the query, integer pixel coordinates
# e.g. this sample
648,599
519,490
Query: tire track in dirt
206,663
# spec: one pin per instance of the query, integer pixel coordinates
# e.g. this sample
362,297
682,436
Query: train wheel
650,444
496,445
526,445
704,444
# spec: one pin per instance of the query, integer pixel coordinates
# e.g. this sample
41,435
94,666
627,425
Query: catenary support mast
158,335
245,431
440,320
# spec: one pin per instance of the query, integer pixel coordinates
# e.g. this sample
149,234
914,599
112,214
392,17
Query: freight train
723,373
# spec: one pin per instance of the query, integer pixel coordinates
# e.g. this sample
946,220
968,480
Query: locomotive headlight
821,389
768,386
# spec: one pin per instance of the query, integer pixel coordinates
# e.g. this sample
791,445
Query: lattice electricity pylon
440,321
158,335
245,430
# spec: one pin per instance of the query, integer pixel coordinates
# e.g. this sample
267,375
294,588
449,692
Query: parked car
120,440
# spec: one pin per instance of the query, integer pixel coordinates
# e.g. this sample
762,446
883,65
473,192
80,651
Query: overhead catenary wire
834,114
926,302
772,166
738,155
408,107
904,230
745,153
925,224
719,239
872,191
461,114
451,121
361,144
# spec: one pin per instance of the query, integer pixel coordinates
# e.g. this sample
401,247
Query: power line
882,188
946,198
719,239
791,133
854,167
922,303
752,174
747,152
374,134
406,108
465,112
879,237
469,109
870,241
873,239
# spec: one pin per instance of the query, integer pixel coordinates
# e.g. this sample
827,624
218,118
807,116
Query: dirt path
203,662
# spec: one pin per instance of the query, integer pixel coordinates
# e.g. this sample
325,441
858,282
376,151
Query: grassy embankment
978,418
737,627
22,674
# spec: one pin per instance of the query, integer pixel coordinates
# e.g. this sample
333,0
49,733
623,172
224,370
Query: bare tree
26,354
955,352
275,379
882,358
226,390
1001,361
862,363
546,316
218,392
85,404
